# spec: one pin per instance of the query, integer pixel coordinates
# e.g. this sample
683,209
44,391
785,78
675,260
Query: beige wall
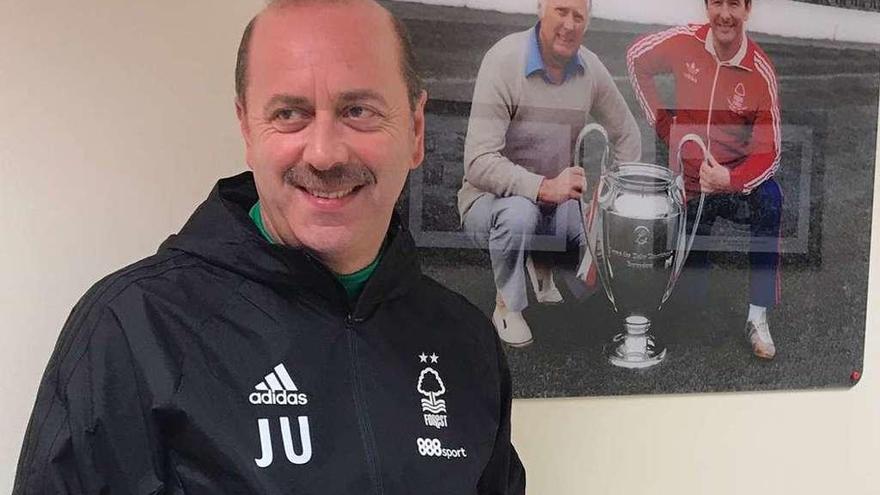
115,119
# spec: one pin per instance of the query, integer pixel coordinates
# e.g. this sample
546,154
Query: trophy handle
586,200
686,243
592,225
592,127
589,209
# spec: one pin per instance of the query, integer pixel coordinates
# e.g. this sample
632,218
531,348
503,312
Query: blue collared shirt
535,62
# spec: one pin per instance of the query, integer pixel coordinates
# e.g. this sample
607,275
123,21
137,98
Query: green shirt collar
353,283
257,218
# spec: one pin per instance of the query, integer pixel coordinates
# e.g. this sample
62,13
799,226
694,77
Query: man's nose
325,147
568,23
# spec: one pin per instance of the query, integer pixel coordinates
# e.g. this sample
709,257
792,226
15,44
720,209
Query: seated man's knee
769,195
767,200
516,214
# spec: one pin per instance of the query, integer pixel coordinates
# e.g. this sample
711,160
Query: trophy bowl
636,228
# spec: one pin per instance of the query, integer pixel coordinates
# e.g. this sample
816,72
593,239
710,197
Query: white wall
116,120
780,17
116,117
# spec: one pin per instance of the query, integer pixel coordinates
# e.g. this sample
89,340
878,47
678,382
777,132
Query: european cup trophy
636,228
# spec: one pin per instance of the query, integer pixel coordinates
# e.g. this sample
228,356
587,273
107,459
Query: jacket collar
744,58
221,233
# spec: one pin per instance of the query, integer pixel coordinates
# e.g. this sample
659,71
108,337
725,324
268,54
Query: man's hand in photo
714,177
569,184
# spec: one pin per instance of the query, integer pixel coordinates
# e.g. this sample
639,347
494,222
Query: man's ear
419,131
241,113
244,128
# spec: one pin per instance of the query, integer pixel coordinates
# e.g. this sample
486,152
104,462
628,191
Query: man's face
727,19
328,129
563,24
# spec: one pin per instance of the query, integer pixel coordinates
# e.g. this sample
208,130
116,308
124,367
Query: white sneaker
758,333
512,327
543,284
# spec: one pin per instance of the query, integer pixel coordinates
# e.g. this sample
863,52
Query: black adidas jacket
224,364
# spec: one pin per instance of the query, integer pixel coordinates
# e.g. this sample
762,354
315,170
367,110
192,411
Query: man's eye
286,114
359,112
289,119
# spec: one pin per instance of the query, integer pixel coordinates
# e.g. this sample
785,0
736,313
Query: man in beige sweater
535,90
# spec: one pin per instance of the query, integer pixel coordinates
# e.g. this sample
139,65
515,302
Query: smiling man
726,92
285,340
534,93
354,128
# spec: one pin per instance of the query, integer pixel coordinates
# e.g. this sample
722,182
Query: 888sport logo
432,447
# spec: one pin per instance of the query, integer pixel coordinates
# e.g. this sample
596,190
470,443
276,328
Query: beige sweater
522,130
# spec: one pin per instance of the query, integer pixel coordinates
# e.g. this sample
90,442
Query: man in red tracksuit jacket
725,92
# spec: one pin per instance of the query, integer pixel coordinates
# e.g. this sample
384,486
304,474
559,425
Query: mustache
339,177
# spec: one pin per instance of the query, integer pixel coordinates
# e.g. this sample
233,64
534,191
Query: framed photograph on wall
815,127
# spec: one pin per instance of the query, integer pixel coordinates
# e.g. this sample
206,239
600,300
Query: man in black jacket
285,340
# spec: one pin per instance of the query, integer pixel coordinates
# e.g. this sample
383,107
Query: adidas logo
278,389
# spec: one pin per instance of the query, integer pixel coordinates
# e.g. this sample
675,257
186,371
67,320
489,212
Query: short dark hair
414,83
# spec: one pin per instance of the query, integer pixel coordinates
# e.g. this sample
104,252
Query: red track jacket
733,105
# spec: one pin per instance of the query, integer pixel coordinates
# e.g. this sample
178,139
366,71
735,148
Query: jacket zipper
367,436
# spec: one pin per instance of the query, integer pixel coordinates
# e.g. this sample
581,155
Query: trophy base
635,348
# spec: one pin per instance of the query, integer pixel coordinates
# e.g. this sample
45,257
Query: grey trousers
514,226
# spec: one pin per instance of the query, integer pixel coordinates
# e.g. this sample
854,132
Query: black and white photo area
823,128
